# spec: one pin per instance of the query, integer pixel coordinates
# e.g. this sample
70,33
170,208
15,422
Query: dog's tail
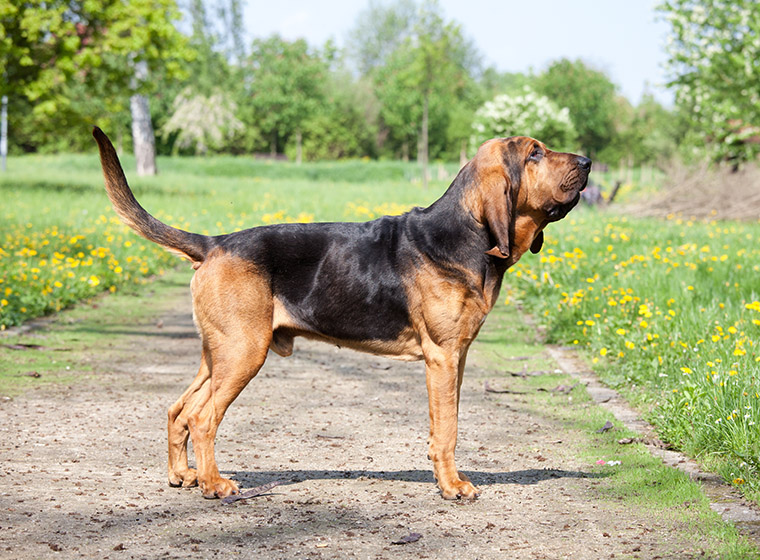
191,246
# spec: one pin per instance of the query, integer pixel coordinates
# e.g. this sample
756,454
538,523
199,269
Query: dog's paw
218,488
186,479
459,488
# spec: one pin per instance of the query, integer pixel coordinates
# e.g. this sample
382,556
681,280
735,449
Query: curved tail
191,246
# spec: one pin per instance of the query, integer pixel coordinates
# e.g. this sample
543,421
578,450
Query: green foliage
47,43
647,133
493,83
73,62
524,114
420,83
668,311
714,65
429,71
378,31
590,97
285,87
339,128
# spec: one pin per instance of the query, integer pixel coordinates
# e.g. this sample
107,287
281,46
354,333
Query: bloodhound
414,287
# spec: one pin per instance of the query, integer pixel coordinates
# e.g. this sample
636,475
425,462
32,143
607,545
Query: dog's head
523,186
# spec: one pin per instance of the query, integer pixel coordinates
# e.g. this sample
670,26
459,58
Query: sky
623,38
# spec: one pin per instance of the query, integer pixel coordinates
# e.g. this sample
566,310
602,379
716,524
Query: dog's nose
584,163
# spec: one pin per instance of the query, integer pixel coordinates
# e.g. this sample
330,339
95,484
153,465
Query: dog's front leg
442,375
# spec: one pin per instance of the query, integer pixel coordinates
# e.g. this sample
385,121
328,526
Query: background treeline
408,84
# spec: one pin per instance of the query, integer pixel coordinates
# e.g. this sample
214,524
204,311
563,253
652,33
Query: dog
414,287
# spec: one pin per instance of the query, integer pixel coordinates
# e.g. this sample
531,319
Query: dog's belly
405,348
400,344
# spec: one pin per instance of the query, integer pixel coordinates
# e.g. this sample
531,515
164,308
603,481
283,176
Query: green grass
640,482
668,312
65,342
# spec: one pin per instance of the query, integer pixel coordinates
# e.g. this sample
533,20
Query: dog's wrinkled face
553,180
526,186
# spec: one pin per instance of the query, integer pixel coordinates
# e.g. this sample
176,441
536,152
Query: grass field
667,311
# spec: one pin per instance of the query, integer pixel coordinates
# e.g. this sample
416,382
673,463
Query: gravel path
83,467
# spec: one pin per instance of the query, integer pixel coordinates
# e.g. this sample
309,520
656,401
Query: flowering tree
714,66
524,114
202,121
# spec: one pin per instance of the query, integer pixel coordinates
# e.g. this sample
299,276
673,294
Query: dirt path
83,467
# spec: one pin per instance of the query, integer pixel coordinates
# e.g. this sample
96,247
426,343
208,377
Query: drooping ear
497,203
538,242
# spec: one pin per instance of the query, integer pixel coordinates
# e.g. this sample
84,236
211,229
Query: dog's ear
499,185
538,242
498,212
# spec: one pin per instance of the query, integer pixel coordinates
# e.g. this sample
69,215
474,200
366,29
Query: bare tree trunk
423,154
4,132
143,138
299,146
463,154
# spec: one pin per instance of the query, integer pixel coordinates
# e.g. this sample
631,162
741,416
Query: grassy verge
640,481
65,342
668,313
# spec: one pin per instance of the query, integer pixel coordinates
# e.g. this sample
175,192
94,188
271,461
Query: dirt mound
706,192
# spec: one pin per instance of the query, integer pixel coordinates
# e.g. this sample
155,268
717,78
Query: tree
524,114
714,67
285,90
202,122
590,97
441,58
50,49
645,134
379,30
422,81
492,82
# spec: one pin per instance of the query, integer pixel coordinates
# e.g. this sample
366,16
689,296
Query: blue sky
624,38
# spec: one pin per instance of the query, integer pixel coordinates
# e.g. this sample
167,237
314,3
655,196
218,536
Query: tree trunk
405,150
4,132
143,138
463,154
299,146
423,154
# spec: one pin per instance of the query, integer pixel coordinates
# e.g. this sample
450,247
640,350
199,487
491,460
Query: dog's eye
536,154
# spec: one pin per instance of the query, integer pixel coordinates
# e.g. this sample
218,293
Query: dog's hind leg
233,310
179,472
232,367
